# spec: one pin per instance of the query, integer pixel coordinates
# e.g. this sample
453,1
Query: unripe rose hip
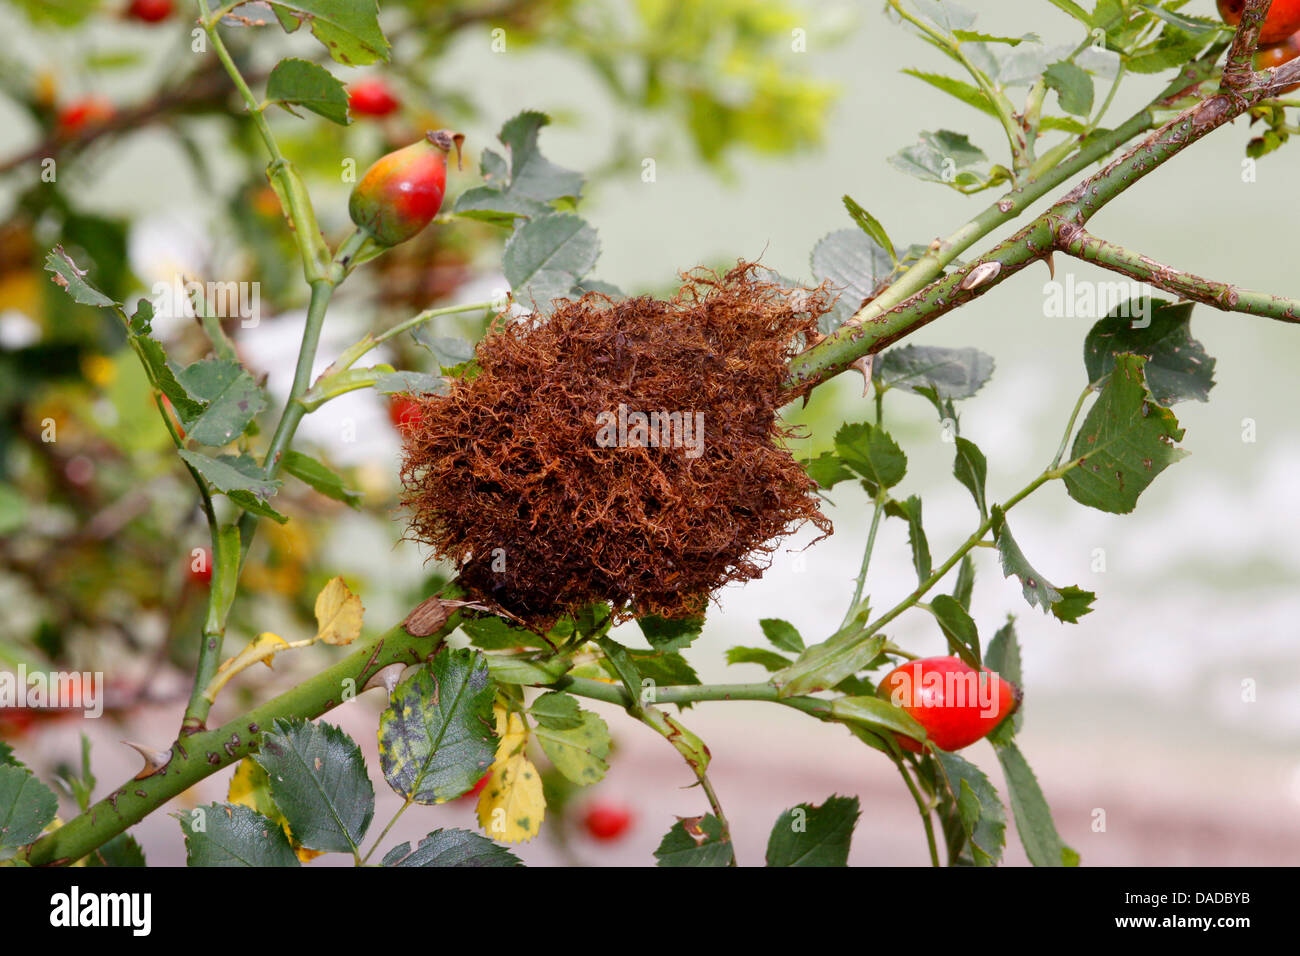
956,704
401,193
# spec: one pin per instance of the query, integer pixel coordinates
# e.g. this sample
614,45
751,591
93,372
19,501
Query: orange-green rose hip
401,193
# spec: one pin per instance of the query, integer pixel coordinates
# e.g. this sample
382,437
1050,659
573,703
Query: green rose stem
1046,174
200,754
322,277
923,807
1079,243
883,322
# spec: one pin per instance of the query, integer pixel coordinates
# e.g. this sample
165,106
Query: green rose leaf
577,752
493,633
968,93
348,29
826,469
506,669
872,453
296,82
452,848
525,186
1003,658
958,627
318,780
448,351
1126,440
1033,817
545,257
239,478
72,280
910,511
952,374
1073,87
694,841
557,711
187,406
122,850
965,584
1068,604
824,665
771,661
854,264
978,806
809,835
971,468
871,226
318,476
7,758
233,835
26,806
938,157
670,635
665,670
782,634
876,715
230,396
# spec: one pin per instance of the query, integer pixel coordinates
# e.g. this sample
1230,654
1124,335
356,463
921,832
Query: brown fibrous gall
507,475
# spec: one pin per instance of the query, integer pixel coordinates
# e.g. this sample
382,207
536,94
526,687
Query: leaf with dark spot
436,737
1177,368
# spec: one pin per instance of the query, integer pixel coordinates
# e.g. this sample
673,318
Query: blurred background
1137,711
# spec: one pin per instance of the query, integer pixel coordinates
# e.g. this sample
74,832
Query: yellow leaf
512,805
250,787
262,648
338,614
512,732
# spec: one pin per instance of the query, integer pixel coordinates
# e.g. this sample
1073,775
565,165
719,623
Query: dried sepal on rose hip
955,703
401,193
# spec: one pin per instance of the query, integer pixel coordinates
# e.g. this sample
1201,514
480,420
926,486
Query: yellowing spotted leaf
262,648
512,732
338,614
511,806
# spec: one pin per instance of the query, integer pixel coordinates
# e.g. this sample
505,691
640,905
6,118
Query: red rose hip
956,704
607,821
403,411
150,11
372,98
85,113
